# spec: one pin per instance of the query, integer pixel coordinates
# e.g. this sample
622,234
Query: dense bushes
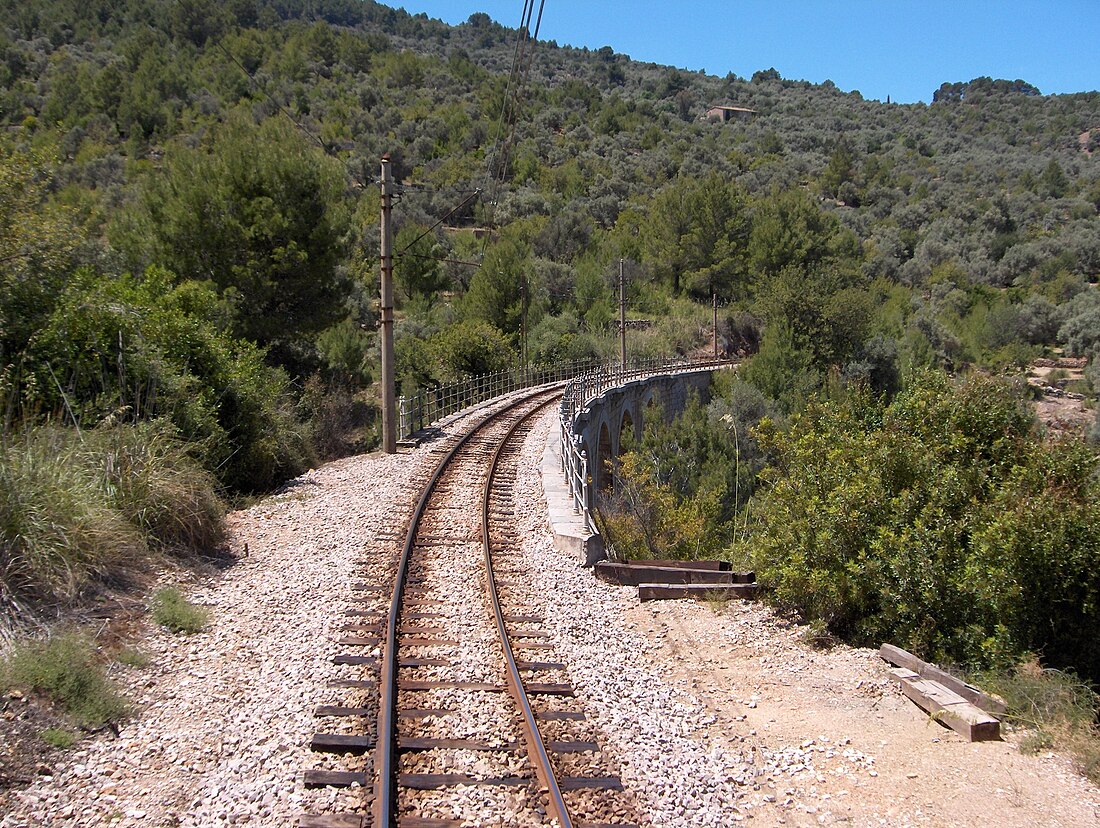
937,519
261,217
122,350
938,522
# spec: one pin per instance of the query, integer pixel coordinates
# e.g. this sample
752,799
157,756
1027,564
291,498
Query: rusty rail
384,769
536,747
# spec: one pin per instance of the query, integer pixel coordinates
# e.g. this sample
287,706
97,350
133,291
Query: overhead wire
463,203
521,88
513,74
522,58
442,259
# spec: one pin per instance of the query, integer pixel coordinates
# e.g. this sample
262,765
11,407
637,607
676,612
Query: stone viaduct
624,409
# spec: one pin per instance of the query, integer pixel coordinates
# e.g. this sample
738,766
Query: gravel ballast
223,718
714,715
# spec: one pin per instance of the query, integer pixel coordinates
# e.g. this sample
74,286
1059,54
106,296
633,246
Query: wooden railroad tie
439,781
659,572
334,821
961,706
662,592
664,579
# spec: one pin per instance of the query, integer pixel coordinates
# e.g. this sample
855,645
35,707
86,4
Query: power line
521,88
525,15
464,202
442,259
522,57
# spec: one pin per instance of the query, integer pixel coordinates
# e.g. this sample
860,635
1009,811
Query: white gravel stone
224,718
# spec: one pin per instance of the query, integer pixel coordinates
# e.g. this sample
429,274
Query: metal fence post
586,505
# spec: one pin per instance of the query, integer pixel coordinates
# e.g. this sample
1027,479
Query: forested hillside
188,242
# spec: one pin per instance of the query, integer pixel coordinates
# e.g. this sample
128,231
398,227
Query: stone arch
603,473
627,429
653,407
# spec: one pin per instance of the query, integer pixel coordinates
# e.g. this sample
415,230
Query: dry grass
1058,710
79,507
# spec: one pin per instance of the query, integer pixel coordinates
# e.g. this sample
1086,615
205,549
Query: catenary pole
389,400
622,315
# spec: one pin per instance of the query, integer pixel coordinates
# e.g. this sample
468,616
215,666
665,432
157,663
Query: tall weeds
1058,709
79,507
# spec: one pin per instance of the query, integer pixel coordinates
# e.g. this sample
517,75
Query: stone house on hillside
729,113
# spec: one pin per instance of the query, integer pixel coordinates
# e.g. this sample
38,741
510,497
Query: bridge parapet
598,407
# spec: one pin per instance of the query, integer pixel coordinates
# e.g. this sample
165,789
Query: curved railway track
463,717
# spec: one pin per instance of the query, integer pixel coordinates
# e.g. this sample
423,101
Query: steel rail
536,747
384,771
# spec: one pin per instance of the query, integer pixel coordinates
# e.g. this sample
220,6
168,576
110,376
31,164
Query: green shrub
1038,540
647,520
58,737
150,477
471,348
340,423
136,349
679,489
938,522
65,670
560,339
175,613
781,369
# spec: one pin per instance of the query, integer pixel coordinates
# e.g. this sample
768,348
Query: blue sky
899,48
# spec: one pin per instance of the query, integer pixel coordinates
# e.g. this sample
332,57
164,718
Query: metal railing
429,405
588,380
587,387
574,466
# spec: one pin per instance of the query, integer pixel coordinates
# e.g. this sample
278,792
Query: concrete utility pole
523,323
389,397
622,315
714,299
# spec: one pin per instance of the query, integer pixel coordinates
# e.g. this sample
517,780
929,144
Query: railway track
459,713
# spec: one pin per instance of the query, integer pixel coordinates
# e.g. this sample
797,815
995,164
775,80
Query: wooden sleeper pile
961,706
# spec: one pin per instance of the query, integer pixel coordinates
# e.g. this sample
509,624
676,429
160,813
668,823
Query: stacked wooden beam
961,706
664,579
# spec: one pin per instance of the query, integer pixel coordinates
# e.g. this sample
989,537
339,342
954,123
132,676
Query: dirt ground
860,753
1060,410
